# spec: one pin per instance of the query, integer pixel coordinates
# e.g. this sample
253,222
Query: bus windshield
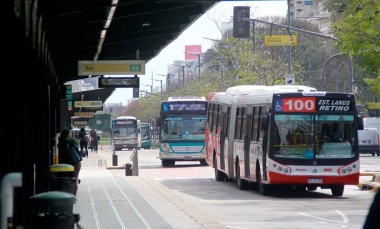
145,132
313,136
184,127
119,131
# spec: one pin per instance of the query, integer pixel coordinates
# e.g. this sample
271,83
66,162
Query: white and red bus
269,136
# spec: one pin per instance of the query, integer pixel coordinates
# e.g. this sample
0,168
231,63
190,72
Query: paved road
235,208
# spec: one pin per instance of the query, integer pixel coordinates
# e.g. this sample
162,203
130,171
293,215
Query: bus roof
126,117
187,98
260,89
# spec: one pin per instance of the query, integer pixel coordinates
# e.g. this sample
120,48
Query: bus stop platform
107,201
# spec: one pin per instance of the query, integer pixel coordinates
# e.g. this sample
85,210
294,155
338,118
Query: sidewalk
107,201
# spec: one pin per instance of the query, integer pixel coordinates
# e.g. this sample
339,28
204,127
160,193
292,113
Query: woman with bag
69,154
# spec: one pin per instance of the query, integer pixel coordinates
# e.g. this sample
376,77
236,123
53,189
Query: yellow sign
84,114
281,40
373,105
88,104
111,67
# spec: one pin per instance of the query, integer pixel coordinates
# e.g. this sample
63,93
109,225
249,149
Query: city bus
146,135
181,127
285,135
125,133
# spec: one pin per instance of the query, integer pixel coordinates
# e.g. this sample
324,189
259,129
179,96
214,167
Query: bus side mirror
264,122
360,122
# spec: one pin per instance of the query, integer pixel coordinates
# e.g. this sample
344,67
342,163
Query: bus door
247,144
222,140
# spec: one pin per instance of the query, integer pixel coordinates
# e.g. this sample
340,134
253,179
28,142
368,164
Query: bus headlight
165,147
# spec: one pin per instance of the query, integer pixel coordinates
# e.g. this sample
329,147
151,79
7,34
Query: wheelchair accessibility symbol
278,106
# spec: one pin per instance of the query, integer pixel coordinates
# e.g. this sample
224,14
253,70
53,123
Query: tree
358,33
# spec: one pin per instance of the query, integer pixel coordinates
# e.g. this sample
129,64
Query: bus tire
263,188
203,162
337,190
166,163
219,175
241,183
311,187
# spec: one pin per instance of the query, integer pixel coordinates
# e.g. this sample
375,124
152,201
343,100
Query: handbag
75,155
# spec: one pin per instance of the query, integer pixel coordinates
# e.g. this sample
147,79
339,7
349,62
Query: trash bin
128,169
53,210
61,179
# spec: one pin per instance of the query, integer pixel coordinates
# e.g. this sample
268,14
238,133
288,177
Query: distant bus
290,135
181,125
146,135
125,133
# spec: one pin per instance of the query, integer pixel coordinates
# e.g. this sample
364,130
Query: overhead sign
80,123
84,114
116,82
280,40
373,105
111,67
88,104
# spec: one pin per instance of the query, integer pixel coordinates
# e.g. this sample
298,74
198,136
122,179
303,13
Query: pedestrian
84,139
373,217
95,137
66,157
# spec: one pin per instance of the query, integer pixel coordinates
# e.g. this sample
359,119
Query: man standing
95,137
83,141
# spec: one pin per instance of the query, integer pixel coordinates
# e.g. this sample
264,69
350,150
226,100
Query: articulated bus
146,135
125,133
181,125
271,136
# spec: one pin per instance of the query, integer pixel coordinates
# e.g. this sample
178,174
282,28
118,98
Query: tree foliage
359,35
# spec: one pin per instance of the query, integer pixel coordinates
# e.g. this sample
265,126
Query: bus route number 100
299,104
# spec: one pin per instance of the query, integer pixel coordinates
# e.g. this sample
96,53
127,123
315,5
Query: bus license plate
187,157
314,181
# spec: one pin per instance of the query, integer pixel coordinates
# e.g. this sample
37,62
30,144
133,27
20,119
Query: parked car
369,141
372,122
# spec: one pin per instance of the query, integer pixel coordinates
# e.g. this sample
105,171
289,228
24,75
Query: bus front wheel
166,163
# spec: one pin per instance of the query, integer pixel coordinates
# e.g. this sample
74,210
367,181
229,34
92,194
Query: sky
195,34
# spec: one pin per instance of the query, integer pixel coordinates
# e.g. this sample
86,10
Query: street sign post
281,40
88,104
116,82
112,67
290,79
84,114
373,105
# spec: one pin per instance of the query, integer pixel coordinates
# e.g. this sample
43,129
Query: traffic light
240,28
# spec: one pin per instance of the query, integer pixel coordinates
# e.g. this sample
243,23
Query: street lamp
350,71
199,62
160,82
151,87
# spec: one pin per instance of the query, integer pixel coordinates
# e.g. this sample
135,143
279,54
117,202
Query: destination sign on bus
122,122
313,104
183,107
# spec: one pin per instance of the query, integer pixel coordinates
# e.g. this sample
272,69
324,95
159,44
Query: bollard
128,169
135,161
114,160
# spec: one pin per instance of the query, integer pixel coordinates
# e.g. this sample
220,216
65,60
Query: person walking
65,141
83,141
95,137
